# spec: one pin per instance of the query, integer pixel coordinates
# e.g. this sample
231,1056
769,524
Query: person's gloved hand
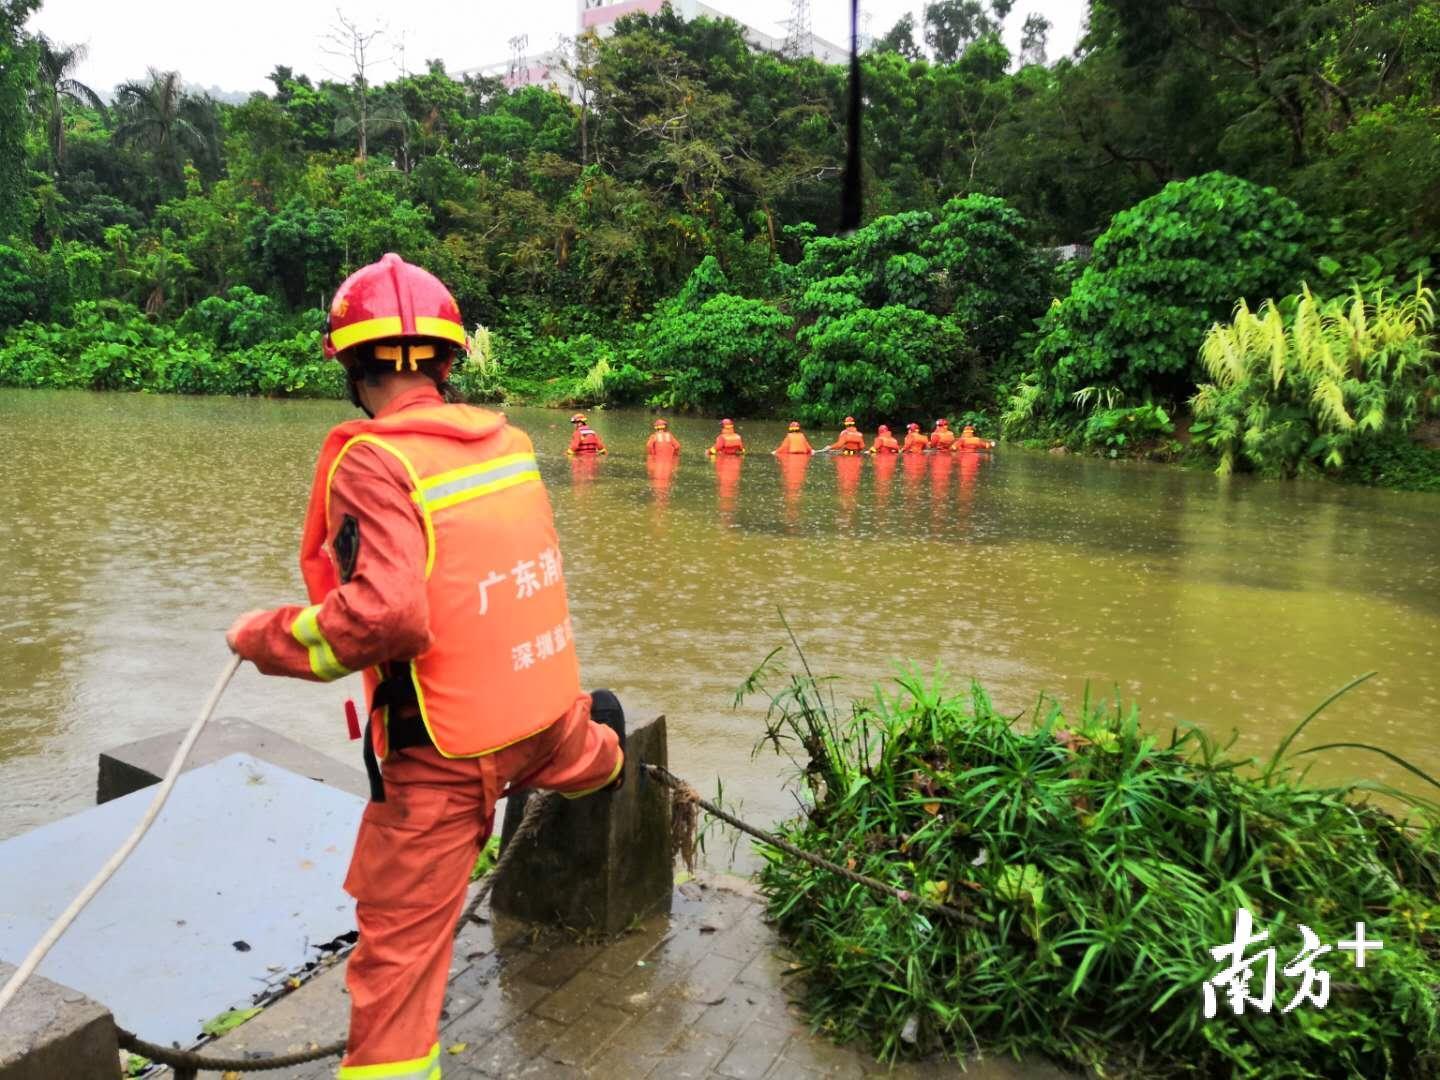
232,636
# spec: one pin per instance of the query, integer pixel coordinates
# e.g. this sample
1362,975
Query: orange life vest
795,443
850,441
885,444
942,438
915,443
972,442
729,443
585,441
502,666
662,443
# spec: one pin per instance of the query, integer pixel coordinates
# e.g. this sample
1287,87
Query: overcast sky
235,45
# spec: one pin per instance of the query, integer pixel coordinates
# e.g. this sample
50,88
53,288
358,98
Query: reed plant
1102,861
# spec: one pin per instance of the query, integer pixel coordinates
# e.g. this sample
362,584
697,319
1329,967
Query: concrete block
600,862
50,1031
139,764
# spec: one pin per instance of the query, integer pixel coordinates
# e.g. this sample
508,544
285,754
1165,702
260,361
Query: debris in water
241,946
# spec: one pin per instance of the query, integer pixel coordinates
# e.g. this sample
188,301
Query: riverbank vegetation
668,234
1100,865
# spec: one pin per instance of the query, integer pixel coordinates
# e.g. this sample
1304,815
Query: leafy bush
880,364
731,354
22,284
1297,384
1161,274
239,319
114,346
1096,865
1143,427
1394,461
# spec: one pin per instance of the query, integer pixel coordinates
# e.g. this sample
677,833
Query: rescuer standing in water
432,564
728,443
849,441
884,442
585,439
661,443
942,438
794,442
915,441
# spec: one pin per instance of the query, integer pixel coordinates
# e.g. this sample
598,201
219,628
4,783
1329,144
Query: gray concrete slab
139,764
51,1031
235,886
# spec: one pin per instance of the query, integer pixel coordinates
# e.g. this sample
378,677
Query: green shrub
880,364
1394,461
1162,274
1295,385
1096,864
730,355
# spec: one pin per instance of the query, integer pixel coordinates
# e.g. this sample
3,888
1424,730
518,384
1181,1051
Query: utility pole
799,39
518,68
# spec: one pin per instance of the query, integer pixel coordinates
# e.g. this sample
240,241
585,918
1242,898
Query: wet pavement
703,992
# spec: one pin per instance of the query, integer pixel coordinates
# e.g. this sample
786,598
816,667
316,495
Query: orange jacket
730,443
662,443
849,441
795,442
942,439
972,442
885,444
586,440
915,443
501,666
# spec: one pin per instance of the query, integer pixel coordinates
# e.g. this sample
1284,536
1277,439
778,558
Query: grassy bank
1103,863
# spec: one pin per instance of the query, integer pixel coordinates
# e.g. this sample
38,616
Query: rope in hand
690,795
538,810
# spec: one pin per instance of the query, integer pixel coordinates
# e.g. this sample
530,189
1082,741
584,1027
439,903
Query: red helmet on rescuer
392,300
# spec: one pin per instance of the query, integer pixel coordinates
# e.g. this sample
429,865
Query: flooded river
133,529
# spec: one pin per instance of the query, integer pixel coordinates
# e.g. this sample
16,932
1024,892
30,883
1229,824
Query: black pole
850,193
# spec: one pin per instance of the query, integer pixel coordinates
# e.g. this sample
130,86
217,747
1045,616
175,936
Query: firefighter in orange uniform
585,439
794,442
431,561
884,442
942,438
728,443
970,441
661,443
849,441
915,441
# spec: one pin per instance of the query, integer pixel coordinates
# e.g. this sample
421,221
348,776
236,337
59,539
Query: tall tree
158,115
952,25
55,84
899,39
17,74
349,41
1034,37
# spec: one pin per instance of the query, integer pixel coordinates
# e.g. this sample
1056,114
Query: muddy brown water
133,528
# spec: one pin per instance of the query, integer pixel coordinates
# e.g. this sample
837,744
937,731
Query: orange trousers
409,874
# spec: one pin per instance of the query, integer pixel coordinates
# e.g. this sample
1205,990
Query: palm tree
54,85
159,115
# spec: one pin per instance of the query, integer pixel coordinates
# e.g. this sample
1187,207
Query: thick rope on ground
537,811
905,896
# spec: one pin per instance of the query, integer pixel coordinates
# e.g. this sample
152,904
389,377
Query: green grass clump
1102,863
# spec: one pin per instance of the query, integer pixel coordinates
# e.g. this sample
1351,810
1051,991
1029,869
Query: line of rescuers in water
585,440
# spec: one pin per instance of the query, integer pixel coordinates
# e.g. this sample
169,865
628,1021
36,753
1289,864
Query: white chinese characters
1240,969
527,581
545,644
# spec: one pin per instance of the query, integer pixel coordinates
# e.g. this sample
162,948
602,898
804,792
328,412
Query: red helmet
883,430
794,425
942,422
849,421
578,418
912,427
661,422
969,429
392,299
727,422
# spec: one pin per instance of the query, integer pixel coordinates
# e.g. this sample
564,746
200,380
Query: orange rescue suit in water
586,440
795,442
662,444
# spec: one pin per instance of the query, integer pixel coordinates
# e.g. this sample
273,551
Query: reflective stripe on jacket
501,666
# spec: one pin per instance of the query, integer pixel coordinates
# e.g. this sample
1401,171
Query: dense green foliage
1162,273
1099,864
1219,152
1300,387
